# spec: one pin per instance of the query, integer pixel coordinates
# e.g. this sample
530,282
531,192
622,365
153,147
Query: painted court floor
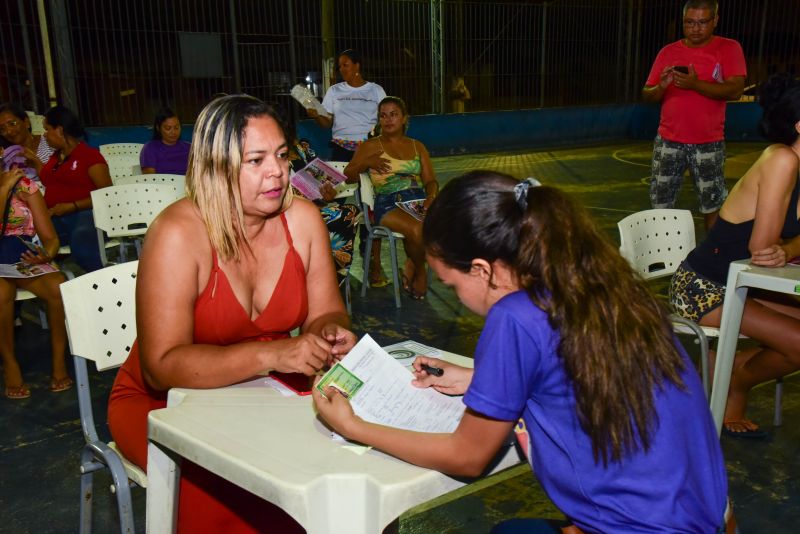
39,487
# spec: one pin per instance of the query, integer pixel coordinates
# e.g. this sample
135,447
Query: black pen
435,371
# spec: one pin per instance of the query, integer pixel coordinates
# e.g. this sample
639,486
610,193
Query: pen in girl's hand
435,371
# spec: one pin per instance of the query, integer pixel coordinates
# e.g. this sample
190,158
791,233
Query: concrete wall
741,121
503,130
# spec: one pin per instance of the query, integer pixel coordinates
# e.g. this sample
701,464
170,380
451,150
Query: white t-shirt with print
354,109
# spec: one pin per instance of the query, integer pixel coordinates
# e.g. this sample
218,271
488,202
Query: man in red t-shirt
692,79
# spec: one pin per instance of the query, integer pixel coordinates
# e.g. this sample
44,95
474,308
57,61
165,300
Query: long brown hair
215,161
616,340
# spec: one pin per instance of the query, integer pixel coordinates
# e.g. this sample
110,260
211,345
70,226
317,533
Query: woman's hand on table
773,256
335,409
306,353
340,339
453,381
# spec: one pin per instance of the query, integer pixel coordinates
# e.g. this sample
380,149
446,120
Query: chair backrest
122,166
112,150
37,122
655,242
177,181
366,190
128,210
100,311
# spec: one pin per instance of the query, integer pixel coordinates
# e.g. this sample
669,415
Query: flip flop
413,294
745,434
62,384
378,281
18,392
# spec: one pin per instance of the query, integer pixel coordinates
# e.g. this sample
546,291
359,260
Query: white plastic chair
122,211
177,181
122,159
655,242
112,150
37,122
100,309
23,294
366,195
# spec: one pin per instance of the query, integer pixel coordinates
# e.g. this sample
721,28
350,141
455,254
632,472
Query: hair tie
521,191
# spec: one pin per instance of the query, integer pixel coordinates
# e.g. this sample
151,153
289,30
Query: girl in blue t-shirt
576,356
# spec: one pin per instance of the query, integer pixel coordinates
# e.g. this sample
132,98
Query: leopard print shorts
692,296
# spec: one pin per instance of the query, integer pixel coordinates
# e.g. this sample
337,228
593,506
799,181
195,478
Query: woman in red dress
224,276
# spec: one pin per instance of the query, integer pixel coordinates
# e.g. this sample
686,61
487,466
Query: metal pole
620,88
292,55
628,51
636,56
66,61
28,62
542,62
437,57
328,45
237,75
765,7
48,59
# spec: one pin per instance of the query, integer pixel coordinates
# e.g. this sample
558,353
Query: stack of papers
380,390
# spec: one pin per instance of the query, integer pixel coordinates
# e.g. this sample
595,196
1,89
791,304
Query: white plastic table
741,277
273,446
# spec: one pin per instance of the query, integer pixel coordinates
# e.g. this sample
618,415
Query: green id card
342,379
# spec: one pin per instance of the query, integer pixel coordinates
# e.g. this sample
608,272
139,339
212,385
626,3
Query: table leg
730,323
163,483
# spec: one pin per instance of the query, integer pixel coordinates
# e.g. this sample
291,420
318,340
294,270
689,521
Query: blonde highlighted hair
215,160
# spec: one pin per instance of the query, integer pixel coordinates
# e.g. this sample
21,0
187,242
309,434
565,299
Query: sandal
61,384
18,392
411,293
736,429
377,280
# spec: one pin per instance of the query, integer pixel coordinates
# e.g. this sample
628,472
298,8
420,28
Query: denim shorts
386,203
705,163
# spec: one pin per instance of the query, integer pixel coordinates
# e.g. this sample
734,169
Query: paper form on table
380,391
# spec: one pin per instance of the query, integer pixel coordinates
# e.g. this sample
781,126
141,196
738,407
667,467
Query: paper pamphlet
406,352
415,208
380,391
302,94
26,270
310,178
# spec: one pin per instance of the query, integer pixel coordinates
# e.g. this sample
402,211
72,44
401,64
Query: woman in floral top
25,215
400,170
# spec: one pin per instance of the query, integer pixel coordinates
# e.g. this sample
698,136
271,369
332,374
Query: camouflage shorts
705,163
691,295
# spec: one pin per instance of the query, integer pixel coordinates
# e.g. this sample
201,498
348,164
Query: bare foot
12,375
735,408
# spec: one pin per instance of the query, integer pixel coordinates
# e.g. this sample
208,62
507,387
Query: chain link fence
117,61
